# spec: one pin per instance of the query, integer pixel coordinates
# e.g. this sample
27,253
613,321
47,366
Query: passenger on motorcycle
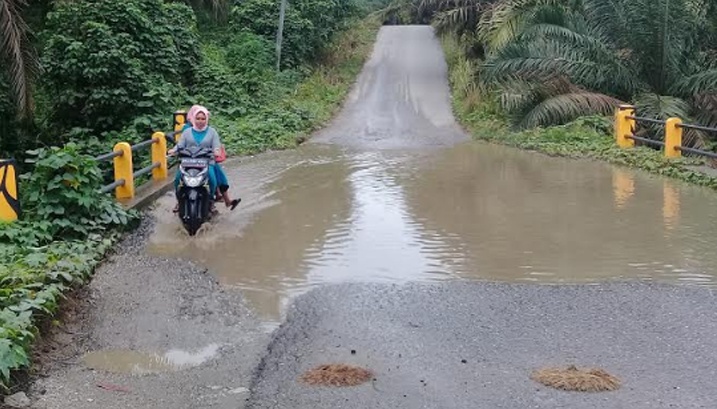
202,135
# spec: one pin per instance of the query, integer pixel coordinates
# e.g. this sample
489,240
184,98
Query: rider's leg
223,184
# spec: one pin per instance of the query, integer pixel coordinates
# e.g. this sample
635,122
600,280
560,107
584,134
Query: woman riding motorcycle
202,135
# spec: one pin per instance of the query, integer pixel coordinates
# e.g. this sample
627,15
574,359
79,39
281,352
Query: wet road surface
397,220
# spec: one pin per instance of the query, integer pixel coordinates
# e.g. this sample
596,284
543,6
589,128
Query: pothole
140,363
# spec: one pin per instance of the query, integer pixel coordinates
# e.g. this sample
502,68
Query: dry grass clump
574,379
336,375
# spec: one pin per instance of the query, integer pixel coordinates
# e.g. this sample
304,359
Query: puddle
139,363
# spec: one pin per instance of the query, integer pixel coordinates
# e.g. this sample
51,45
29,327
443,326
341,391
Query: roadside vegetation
547,75
77,77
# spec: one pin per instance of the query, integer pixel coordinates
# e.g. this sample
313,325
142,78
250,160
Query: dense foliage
106,62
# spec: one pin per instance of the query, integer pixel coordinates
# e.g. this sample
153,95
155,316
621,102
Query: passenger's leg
223,184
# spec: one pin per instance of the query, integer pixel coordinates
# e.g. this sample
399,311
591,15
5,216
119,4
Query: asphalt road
474,345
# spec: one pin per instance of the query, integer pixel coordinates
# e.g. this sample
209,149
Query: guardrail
121,155
9,203
124,174
626,120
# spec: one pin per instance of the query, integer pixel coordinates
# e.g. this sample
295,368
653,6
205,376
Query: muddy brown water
392,191
474,211
139,363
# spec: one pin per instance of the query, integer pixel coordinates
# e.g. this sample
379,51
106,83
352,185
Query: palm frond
544,58
455,19
501,25
657,106
20,57
700,83
661,107
517,95
705,109
556,32
566,107
507,19
608,18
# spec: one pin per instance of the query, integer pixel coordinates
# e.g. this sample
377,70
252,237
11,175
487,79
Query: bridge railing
122,156
626,122
124,174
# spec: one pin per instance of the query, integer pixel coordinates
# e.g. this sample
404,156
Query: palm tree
554,60
458,16
17,54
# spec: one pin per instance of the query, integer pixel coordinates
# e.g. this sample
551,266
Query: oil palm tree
554,60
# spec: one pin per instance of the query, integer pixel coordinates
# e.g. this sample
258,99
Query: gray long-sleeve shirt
211,140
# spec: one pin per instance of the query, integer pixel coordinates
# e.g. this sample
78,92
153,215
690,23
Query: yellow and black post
180,118
9,202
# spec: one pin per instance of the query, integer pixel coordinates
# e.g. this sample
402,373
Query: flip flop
235,202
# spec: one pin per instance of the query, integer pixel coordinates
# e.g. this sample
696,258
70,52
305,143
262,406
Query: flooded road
393,192
474,211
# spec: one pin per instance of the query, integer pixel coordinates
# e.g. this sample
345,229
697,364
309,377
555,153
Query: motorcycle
193,193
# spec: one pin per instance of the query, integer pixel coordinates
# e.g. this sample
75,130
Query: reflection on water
137,363
526,217
623,186
380,240
670,204
474,211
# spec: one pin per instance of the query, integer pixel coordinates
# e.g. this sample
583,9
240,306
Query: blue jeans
221,178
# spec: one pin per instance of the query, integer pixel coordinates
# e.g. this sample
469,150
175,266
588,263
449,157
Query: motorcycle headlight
193,181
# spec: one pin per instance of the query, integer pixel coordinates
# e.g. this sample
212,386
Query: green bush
61,201
251,59
107,62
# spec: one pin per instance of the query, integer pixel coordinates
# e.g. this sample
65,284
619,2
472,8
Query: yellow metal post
123,170
673,137
159,154
180,118
624,126
9,202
